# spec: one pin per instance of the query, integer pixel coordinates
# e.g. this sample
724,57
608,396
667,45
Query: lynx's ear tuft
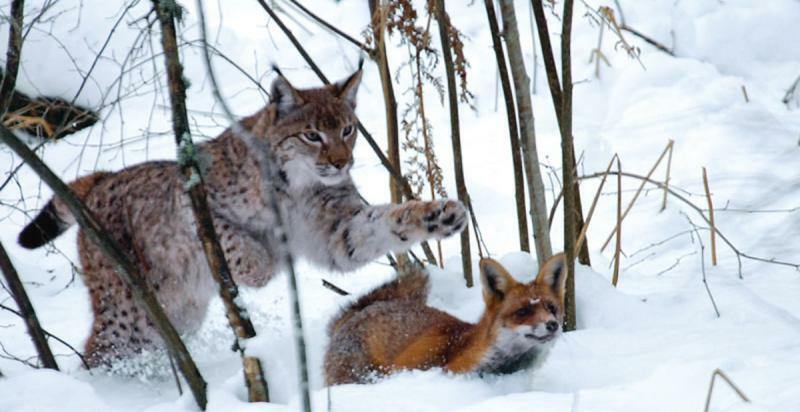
348,88
283,94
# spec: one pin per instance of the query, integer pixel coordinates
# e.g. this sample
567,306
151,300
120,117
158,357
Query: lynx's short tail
55,217
410,285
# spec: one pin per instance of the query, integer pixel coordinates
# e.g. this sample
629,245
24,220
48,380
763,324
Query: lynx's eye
347,130
312,136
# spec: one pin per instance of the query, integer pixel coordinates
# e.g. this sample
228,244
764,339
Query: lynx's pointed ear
283,95
553,274
348,88
495,279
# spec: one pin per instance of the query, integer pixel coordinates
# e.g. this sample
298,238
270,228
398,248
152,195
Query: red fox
392,328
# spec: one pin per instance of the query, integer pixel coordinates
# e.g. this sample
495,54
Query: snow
650,344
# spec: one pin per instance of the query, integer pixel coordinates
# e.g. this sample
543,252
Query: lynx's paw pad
444,218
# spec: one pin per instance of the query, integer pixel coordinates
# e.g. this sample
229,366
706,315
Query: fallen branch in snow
647,39
393,171
269,173
711,219
26,311
618,246
702,261
721,374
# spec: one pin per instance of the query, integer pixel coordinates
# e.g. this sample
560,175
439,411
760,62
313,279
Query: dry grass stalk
638,192
582,234
721,374
618,248
711,219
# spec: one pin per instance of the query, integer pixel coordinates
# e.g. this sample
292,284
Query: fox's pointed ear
553,274
495,279
347,89
283,95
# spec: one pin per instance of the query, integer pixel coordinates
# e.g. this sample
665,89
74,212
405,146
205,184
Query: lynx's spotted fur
311,133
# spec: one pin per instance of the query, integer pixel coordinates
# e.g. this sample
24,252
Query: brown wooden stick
511,114
618,248
237,314
721,374
638,191
26,311
711,219
455,132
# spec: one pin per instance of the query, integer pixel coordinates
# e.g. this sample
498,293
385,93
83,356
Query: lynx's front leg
372,231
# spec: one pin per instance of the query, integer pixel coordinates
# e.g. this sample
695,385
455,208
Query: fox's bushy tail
411,284
55,217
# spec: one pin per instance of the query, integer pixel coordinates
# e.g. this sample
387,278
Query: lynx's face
313,131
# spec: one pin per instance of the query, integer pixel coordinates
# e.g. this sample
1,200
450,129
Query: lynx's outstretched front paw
437,219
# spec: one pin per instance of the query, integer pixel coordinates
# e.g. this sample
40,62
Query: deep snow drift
650,344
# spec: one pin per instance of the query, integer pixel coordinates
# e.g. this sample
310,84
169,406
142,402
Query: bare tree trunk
541,231
452,94
511,113
26,311
568,166
555,92
229,292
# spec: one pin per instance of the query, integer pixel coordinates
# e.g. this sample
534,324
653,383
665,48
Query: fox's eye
552,308
522,312
312,136
347,130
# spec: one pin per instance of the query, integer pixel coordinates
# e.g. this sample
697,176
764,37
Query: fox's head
313,131
525,317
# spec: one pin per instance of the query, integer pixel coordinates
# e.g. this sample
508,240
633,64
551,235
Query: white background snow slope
650,344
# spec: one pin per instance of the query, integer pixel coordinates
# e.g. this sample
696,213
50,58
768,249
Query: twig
638,191
56,338
27,313
711,220
703,263
511,114
334,288
334,29
269,173
618,247
455,134
666,180
744,93
790,92
721,374
647,39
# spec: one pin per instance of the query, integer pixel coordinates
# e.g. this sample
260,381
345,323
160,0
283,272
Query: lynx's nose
339,163
552,326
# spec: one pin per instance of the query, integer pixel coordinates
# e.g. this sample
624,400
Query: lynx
311,133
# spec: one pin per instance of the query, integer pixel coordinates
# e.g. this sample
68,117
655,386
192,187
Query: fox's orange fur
392,328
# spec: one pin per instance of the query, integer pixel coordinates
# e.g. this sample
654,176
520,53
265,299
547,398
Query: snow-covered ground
650,344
